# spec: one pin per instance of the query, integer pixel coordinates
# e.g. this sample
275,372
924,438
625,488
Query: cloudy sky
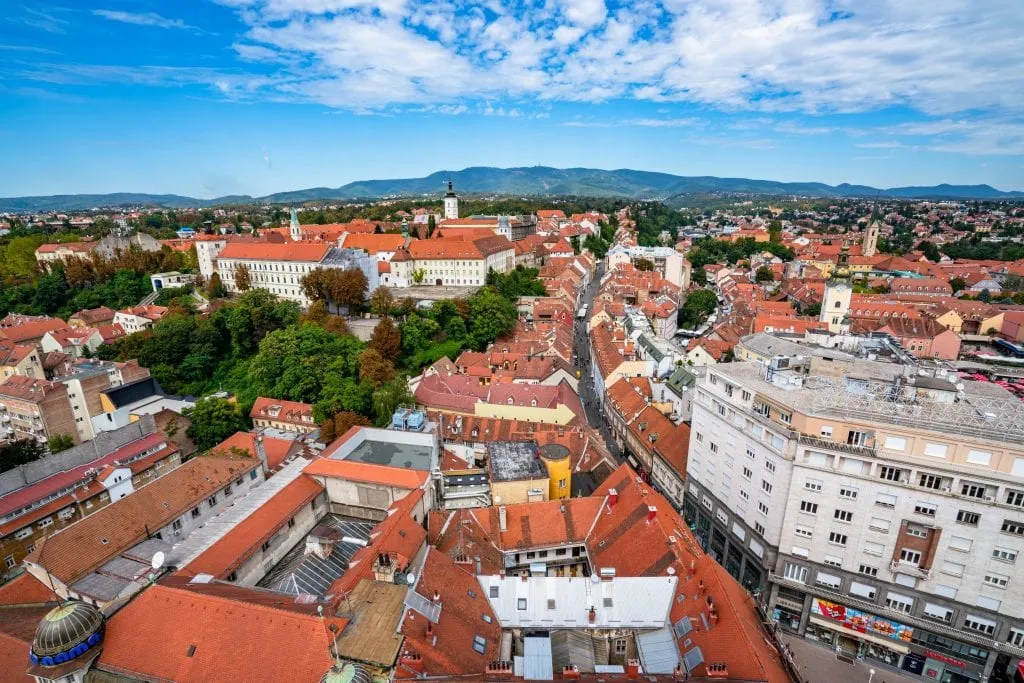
254,96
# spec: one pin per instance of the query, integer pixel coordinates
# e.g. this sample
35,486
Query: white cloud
1001,137
143,19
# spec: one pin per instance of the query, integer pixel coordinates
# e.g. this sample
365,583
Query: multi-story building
33,408
87,380
138,318
878,506
286,416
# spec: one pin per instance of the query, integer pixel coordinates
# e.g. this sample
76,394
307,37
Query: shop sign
946,659
862,622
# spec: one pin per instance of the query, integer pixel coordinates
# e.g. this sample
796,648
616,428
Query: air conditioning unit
946,489
990,499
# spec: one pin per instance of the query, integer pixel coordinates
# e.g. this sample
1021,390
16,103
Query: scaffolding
901,403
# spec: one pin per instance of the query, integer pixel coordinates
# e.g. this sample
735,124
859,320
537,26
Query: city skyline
238,97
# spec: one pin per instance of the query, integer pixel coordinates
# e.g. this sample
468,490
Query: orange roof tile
275,449
272,251
366,472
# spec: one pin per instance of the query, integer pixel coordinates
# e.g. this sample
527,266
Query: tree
386,338
349,288
215,289
20,452
985,296
375,368
60,442
1012,283
930,251
300,363
697,307
958,284
431,225
491,315
213,420
643,264
243,278
340,423
418,275
387,398
382,301
764,274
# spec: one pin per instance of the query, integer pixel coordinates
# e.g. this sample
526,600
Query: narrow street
581,355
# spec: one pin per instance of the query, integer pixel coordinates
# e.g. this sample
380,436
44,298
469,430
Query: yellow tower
556,458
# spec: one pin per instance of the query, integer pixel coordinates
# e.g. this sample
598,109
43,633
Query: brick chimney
633,669
652,512
613,498
498,670
412,662
570,671
592,615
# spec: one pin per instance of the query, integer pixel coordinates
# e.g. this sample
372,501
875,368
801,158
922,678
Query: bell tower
293,229
870,244
451,203
835,305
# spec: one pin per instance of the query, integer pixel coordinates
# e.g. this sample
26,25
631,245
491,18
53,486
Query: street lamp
871,674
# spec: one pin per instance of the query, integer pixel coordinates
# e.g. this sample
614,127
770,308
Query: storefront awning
894,645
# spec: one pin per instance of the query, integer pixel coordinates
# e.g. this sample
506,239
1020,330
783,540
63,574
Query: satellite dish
410,578
158,560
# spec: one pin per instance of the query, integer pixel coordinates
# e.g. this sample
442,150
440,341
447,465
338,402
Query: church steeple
451,202
293,228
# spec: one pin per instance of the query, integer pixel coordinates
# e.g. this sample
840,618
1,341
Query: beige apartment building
33,408
877,507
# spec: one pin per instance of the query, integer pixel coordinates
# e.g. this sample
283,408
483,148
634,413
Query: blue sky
254,96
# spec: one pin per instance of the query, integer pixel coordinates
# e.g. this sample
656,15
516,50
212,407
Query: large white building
450,261
879,507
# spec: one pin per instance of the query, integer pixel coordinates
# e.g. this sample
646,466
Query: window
770,466
868,570
195,512
227,490
972,490
1016,637
843,515
266,546
750,454
9,561
815,485
747,473
1015,498
744,495
910,556
762,508
23,533
212,500
479,644
620,646
521,604
890,473
493,591
855,438
979,457
836,538
925,508
808,507
997,580
253,474
886,500
832,560
828,580
1011,527
936,450
759,528
960,544
700,438
979,624
953,568
720,516
176,525
930,481
1004,554
862,590
938,612
804,531
916,531
900,603
969,518
785,417
848,492
714,447
800,551
879,524
872,548
766,486
895,443
795,572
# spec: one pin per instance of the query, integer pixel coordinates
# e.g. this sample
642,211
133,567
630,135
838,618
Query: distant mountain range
531,181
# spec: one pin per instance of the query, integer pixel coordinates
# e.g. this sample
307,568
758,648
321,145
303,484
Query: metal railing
852,449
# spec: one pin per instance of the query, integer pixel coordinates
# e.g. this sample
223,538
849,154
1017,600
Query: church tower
835,306
451,203
870,244
294,229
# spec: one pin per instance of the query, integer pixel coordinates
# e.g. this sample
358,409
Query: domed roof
347,672
554,451
65,627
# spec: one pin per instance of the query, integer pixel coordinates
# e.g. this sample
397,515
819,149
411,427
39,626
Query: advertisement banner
863,622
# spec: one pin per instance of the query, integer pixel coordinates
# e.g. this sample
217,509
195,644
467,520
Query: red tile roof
29,388
365,472
276,449
25,590
271,251
283,411
371,243
245,539
452,248
91,316
32,329
80,548
187,636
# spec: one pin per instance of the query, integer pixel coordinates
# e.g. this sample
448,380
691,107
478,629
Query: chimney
430,628
261,452
652,512
498,670
436,598
503,518
613,498
592,615
700,587
412,662
633,669
678,674
570,671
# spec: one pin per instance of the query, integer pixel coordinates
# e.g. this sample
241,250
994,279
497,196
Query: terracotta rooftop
313,252
28,388
366,472
87,544
32,329
283,411
275,449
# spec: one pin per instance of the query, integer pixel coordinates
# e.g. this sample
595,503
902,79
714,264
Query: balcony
899,567
826,444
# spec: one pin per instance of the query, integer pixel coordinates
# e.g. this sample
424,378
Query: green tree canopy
490,316
213,420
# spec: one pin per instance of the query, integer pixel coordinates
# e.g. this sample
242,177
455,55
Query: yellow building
559,466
